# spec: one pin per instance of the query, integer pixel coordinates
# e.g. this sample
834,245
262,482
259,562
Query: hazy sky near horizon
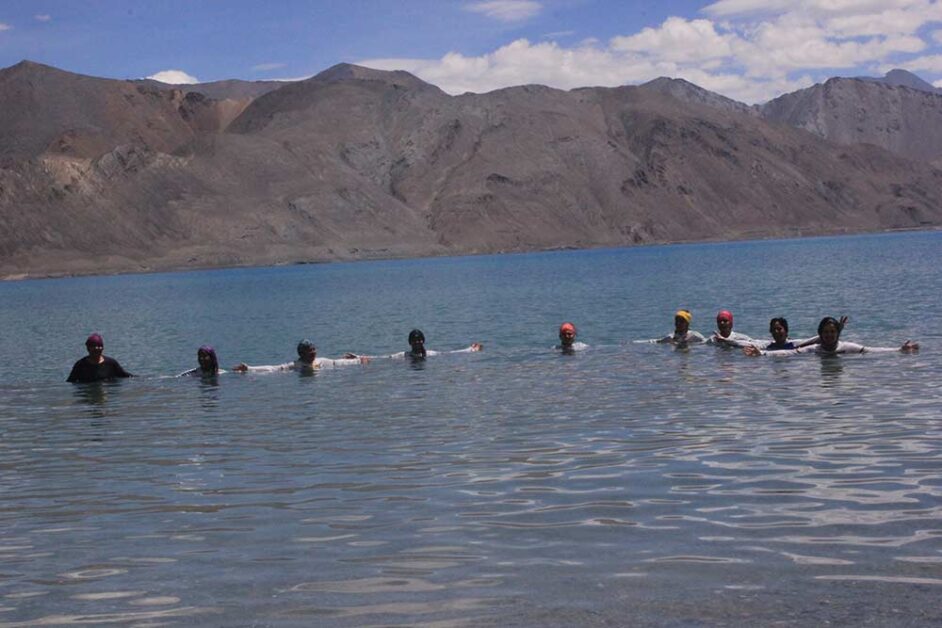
750,50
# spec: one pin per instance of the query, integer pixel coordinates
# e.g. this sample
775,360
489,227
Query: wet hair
781,321
305,344
416,334
212,355
829,320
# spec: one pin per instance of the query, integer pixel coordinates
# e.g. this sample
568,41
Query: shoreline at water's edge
143,269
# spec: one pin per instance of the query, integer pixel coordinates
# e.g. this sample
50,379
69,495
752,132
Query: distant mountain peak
351,72
31,67
903,78
686,91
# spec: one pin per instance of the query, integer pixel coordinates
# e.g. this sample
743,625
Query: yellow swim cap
684,314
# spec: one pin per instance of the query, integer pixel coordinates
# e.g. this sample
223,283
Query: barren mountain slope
902,119
360,163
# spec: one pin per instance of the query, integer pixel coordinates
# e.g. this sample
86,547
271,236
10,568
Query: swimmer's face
205,360
829,336
779,333
417,343
94,350
307,354
681,325
725,326
567,337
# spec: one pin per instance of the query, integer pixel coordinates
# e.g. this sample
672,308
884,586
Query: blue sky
751,50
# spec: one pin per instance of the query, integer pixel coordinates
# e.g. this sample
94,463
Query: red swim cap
724,315
94,340
567,327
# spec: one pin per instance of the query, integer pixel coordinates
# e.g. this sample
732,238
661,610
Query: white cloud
725,8
506,10
678,39
5,27
264,67
558,34
43,17
928,63
750,50
547,63
174,77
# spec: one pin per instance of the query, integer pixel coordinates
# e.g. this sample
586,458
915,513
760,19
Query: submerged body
96,367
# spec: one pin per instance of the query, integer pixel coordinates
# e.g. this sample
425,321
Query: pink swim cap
724,315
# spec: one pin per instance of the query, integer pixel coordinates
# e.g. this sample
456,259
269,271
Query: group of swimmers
98,367
827,342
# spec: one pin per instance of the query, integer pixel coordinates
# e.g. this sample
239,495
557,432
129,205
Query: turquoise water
627,484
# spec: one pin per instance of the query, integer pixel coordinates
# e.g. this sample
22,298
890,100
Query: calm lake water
628,484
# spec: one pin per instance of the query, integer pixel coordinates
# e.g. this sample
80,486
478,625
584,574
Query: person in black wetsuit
96,367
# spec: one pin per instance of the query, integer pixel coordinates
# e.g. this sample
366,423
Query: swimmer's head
567,333
682,320
206,356
724,322
778,327
417,342
306,350
95,345
829,332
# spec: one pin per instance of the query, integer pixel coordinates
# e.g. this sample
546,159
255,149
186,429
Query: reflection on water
624,484
467,487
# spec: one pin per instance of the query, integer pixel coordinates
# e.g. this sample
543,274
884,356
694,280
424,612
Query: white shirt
842,348
734,339
298,365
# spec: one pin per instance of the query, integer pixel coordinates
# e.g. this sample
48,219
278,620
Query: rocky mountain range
100,175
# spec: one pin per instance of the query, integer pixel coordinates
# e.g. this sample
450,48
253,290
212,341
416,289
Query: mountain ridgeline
100,175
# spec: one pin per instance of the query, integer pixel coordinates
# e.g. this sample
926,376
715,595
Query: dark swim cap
208,350
94,340
415,335
305,344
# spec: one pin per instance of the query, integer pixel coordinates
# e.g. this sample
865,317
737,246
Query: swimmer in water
778,329
567,339
96,367
829,343
417,350
724,334
307,361
682,335
208,363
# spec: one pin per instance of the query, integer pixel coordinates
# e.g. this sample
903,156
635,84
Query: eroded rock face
358,163
896,113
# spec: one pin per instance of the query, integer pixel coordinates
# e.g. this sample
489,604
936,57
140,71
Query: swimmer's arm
272,368
475,347
753,352
330,362
908,347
